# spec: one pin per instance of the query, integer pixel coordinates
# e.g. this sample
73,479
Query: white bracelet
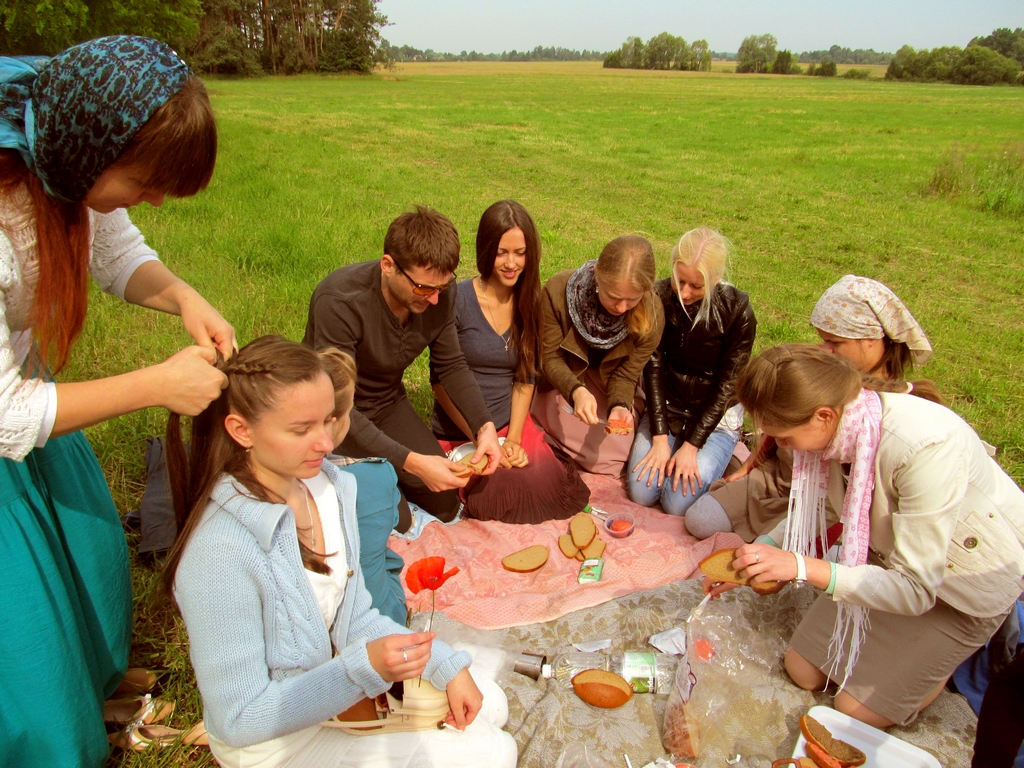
801,567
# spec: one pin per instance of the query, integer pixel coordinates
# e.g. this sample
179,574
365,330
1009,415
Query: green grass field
811,178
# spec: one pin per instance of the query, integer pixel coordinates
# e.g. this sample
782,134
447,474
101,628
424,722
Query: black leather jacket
690,377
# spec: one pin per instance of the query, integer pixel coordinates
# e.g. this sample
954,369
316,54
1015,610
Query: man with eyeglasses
385,313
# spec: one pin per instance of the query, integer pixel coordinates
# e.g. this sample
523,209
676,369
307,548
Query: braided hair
256,377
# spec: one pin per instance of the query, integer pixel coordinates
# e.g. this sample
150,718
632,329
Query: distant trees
841,55
974,65
785,64
756,53
1003,41
827,68
29,28
219,36
407,53
663,51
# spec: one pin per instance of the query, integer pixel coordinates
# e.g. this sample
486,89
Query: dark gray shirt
348,311
489,356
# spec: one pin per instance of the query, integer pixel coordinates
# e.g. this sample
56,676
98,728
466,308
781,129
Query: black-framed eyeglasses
425,290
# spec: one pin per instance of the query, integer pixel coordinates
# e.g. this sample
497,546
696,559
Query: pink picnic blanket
485,595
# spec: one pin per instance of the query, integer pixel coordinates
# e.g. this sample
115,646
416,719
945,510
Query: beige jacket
946,521
564,352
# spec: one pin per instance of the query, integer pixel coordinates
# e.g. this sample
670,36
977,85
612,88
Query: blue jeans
712,460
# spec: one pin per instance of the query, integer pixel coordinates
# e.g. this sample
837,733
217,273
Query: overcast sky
493,26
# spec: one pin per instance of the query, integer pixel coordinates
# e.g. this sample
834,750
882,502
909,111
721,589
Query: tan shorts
904,657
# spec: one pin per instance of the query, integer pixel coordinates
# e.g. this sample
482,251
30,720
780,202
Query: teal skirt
65,603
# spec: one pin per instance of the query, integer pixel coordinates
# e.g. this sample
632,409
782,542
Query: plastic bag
579,755
724,658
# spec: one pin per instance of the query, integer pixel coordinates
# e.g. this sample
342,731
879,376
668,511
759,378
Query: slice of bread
478,466
847,755
582,529
618,427
718,566
565,543
601,688
594,549
526,560
821,758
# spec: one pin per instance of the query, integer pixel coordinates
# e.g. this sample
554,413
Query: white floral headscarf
862,308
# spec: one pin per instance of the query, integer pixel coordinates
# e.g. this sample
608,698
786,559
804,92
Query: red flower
427,573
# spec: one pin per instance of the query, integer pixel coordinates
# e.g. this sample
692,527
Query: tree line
664,51
406,53
244,37
996,58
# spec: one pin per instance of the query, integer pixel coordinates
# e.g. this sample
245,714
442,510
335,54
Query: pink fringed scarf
855,443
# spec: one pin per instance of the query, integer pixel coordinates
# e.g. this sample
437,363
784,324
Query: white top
28,404
329,590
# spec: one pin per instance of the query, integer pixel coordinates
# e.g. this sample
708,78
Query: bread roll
601,688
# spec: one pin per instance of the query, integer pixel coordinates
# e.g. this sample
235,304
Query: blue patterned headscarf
70,116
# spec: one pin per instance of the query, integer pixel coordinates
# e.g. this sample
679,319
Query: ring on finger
405,656
757,557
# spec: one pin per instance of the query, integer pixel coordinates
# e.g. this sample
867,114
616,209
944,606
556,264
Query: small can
590,570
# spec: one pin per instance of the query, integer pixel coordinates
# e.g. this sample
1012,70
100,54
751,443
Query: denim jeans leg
636,487
712,460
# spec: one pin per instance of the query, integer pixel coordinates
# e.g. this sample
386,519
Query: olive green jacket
564,352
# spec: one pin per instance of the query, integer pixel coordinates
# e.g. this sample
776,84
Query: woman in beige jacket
600,326
932,550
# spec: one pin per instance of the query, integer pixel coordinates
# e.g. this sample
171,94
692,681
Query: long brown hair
256,377
785,385
494,223
176,151
630,258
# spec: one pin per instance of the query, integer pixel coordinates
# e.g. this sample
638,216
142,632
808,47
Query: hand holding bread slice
469,467
718,567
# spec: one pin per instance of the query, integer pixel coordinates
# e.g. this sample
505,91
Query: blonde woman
601,324
686,441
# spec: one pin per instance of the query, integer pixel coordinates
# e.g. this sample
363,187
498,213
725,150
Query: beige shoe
138,737
144,709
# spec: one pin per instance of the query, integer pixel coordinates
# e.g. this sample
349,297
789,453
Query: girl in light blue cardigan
265,573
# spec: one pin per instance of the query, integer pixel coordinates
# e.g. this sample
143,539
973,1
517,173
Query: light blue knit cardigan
261,652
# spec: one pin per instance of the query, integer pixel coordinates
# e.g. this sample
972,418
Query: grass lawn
811,178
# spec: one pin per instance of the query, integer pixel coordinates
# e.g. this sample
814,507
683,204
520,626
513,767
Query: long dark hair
175,150
495,222
256,376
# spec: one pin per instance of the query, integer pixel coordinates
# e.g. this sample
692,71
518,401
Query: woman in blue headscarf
96,129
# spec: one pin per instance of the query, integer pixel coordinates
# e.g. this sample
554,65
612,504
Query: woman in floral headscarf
96,129
859,319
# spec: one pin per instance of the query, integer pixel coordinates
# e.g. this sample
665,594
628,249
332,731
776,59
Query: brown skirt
903,659
757,503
